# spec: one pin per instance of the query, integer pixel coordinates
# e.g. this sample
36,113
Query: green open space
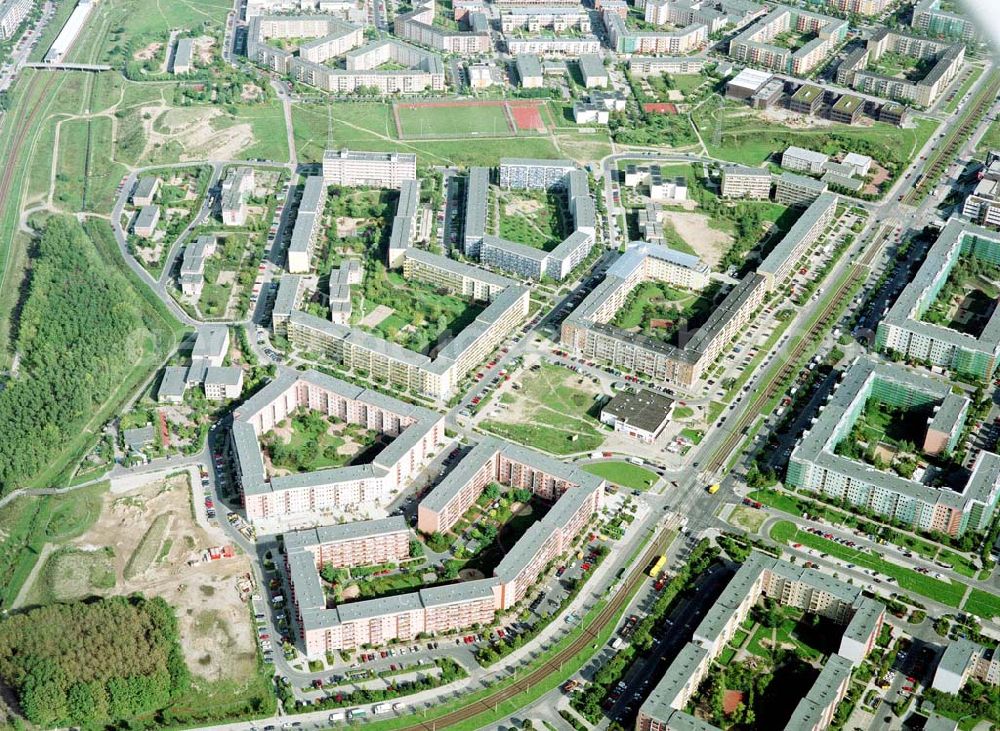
533,218
317,442
968,298
552,412
625,474
735,133
990,140
659,310
949,593
30,521
418,121
421,313
984,604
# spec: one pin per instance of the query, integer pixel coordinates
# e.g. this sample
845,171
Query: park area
407,312
555,410
533,218
309,441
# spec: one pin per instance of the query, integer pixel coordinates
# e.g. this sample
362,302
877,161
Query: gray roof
379,607
288,290
210,342
865,620
522,552
147,214
145,186
746,171
659,704
182,53
247,454
224,376
779,255
957,656
476,198
453,482
521,250
536,162
646,409
139,437
173,383
801,153
466,591
914,300
345,154
846,182
822,695
460,268
311,537
528,66
591,65
802,181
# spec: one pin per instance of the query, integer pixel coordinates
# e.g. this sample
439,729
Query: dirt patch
150,51
522,207
251,92
203,46
97,563
709,243
373,318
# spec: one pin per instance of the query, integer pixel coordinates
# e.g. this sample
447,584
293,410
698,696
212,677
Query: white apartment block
236,189
746,182
12,14
355,169
308,225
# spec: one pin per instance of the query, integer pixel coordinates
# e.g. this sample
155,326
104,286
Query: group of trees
111,660
79,333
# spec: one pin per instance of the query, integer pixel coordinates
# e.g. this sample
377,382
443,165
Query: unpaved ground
522,207
144,54
200,131
710,243
215,626
373,318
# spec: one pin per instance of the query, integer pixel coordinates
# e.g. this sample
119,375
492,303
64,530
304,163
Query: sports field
449,120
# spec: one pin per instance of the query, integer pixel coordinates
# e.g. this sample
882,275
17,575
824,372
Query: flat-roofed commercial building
368,169
145,221
641,415
529,71
847,109
593,71
982,205
739,181
816,465
807,99
904,329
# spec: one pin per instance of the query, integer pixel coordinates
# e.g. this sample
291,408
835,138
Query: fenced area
424,120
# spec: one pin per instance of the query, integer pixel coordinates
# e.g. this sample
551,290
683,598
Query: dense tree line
79,333
109,661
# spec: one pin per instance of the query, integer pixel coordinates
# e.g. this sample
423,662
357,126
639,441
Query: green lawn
983,604
991,139
625,474
947,593
29,522
543,228
452,121
553,414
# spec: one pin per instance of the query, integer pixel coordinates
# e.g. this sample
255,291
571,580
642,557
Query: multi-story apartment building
798,159
577,496
521,173
716,15
861,7
904,330
287,299
192,273
948,58
405,225
527,261
656,65
797,190
417,26
455,276
964,660
417,433
815,464
236,189
587,329
533,19
754,45
553,45
370,169
623,40
223,382
739,181
529,71
929,18
146,188
348,273
762,576
308,225
12,14
983,204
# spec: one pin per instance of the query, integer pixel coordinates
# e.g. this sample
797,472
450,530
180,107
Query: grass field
625,474
550,413
983,604
991,139
452,121
29,522
745,138
947,593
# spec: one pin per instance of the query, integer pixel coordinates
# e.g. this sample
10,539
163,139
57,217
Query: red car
585,567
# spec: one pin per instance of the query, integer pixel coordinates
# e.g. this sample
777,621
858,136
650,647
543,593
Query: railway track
777,383
947,152
555,664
